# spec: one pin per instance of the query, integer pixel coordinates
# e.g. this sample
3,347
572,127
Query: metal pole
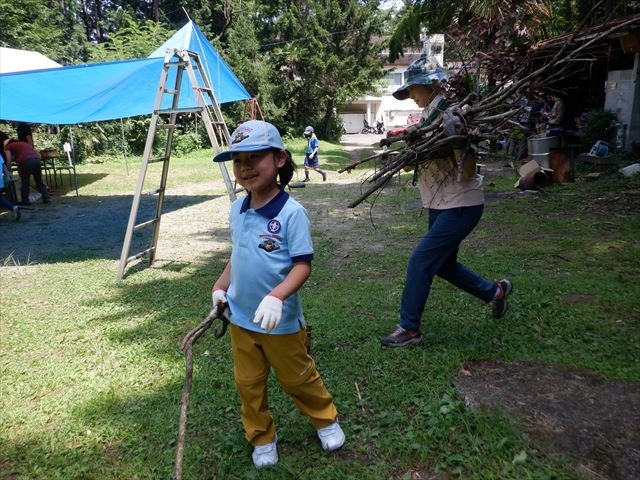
124,148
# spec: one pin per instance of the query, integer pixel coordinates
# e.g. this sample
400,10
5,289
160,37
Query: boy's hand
269,313
218,296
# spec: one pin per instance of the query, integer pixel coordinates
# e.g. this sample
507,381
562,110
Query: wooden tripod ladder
181,61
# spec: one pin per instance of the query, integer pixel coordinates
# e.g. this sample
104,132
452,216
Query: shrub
598,127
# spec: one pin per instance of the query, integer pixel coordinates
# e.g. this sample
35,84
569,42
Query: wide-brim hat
251,136
424,71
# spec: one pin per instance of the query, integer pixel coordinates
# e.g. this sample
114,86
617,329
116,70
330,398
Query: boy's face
257,171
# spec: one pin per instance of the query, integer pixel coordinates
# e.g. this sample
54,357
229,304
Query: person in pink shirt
29,164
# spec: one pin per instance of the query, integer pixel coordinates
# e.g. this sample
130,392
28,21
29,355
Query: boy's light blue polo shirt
312,143
265,244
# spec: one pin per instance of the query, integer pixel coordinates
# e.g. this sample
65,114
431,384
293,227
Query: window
394,78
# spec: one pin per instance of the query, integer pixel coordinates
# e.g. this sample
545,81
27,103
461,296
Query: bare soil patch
577,412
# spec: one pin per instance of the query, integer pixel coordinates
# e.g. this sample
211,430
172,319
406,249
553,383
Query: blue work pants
436,254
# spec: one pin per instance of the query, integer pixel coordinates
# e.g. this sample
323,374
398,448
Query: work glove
412,131
269,313
452,125
218,296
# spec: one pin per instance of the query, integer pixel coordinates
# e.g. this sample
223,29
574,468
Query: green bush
598,127
185,143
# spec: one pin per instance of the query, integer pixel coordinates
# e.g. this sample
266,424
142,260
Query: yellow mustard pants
253,356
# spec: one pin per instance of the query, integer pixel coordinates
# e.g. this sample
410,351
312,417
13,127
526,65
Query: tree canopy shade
111,90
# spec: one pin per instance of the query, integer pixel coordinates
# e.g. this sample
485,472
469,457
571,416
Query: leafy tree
50,28
311,57
132,39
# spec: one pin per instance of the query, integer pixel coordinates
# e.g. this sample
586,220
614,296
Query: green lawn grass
92,375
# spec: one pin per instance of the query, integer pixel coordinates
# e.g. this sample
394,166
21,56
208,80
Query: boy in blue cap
270,260
311,155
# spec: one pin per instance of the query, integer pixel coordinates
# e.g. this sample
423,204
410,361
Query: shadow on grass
84,227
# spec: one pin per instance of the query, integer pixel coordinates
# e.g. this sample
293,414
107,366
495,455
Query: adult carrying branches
452,192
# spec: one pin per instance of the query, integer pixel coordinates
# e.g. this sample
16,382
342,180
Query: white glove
269,313
218,296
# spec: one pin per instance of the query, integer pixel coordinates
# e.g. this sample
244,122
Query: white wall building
392,112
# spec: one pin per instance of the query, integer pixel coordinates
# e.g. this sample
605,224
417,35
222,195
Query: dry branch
220,312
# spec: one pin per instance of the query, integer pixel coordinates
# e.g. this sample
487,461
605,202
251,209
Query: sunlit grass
92,373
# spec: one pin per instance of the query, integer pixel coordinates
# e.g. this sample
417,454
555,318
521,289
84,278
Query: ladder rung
158,159
152,192
204,89
146,224
166,126
140,254
180,110
171,91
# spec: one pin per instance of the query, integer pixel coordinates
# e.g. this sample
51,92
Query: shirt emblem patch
269,246
274,226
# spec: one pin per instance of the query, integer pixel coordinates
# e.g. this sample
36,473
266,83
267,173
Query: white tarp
14,60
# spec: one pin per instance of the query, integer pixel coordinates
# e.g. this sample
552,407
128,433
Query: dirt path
193,224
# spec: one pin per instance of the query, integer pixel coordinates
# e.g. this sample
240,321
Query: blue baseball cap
251,136
424,71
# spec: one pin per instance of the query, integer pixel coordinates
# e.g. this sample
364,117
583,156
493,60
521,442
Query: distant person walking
311,155
29,164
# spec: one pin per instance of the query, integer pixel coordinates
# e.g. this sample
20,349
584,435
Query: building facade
382,106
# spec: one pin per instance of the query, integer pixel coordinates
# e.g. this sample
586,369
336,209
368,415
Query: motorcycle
367,128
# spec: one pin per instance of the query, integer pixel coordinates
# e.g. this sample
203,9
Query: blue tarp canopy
112,90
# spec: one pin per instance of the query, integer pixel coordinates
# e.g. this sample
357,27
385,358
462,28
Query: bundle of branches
484,117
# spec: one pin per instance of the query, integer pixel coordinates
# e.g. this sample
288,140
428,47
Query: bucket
541,143
541,158
599,149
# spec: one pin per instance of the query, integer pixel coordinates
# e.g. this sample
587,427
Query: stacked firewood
482,118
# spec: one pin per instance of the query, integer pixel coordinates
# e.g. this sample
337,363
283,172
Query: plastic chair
69,167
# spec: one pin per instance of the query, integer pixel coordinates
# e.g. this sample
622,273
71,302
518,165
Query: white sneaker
331,437
265,455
